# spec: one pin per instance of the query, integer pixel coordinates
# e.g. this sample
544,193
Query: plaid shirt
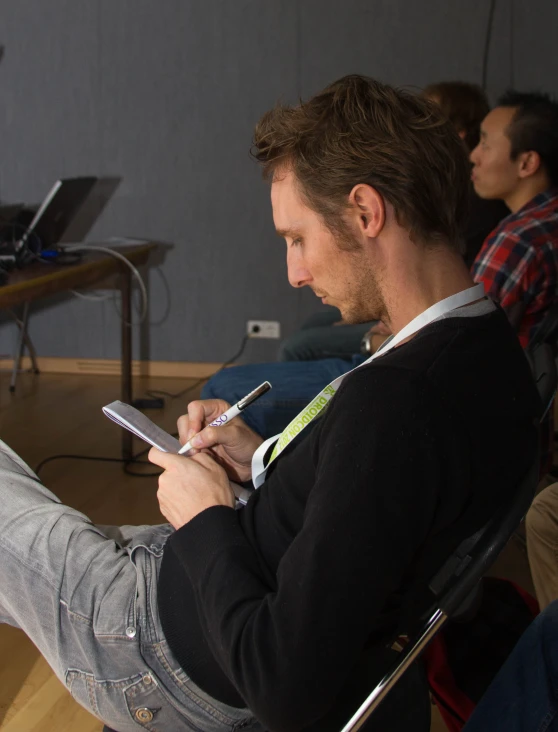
518,262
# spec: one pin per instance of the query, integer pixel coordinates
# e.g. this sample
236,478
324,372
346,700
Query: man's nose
473,157
298,274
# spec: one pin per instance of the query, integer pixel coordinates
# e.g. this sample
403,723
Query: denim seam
149,560
91,693
202,704
72,674
125,683
77,616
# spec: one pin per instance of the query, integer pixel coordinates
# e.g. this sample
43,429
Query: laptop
54,214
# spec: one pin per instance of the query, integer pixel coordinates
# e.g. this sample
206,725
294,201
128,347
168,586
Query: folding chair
542,360
547,332
455,588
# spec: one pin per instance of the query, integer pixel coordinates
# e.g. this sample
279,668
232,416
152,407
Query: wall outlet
263,329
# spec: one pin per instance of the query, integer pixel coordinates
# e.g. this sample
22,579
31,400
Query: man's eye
298,241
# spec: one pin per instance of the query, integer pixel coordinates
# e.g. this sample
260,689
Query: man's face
495,174
339,277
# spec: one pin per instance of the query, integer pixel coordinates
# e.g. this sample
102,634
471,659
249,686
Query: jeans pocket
209,713
129,703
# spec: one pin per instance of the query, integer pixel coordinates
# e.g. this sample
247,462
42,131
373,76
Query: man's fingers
185,429
200,413
205,459
162,459
211,436
166,460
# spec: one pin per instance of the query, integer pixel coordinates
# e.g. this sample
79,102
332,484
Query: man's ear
529,163
368,209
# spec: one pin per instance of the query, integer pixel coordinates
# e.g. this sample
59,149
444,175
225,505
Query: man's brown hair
359,130
464,104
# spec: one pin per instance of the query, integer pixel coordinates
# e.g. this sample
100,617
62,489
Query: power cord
126,461
157,392
91,297
122,258
134,460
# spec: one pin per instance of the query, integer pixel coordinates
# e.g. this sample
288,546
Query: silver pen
232,412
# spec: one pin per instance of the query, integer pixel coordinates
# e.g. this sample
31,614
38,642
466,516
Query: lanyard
321,401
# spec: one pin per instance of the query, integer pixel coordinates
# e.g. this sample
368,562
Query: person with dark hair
464,104
280,615
516,161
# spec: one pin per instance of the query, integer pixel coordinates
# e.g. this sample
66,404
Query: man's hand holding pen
190,485
231,445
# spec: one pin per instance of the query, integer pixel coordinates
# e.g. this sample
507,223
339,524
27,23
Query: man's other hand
189,485
380,329
375,336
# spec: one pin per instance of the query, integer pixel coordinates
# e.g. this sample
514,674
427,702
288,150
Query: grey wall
165,94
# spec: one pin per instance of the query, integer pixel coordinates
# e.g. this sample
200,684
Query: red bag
464,657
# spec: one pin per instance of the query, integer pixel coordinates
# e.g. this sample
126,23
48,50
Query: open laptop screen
58,209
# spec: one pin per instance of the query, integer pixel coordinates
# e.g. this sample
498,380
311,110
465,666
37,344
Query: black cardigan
272,606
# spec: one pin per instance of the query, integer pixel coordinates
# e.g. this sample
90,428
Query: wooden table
39,280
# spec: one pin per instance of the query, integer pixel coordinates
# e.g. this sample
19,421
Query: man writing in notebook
278,616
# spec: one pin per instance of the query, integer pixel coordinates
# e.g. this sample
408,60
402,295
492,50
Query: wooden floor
52,414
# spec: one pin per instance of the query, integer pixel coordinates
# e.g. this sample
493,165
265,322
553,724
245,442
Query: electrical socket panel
263,329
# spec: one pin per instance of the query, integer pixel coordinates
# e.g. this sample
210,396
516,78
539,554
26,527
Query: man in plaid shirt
516,160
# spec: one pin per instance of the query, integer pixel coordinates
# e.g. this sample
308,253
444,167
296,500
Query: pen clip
249,398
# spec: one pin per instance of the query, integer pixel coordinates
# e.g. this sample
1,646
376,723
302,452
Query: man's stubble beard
368,303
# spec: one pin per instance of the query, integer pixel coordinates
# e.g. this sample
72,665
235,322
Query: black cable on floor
127,462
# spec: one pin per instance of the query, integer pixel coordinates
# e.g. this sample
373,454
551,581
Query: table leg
20,345
126,359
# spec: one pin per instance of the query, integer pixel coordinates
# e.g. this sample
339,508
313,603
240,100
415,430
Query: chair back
542,359
547,332
453,586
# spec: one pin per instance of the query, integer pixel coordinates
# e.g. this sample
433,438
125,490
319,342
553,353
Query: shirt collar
541,199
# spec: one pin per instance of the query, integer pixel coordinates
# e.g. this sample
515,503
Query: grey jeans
87,598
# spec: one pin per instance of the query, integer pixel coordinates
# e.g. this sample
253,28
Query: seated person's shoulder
456,355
